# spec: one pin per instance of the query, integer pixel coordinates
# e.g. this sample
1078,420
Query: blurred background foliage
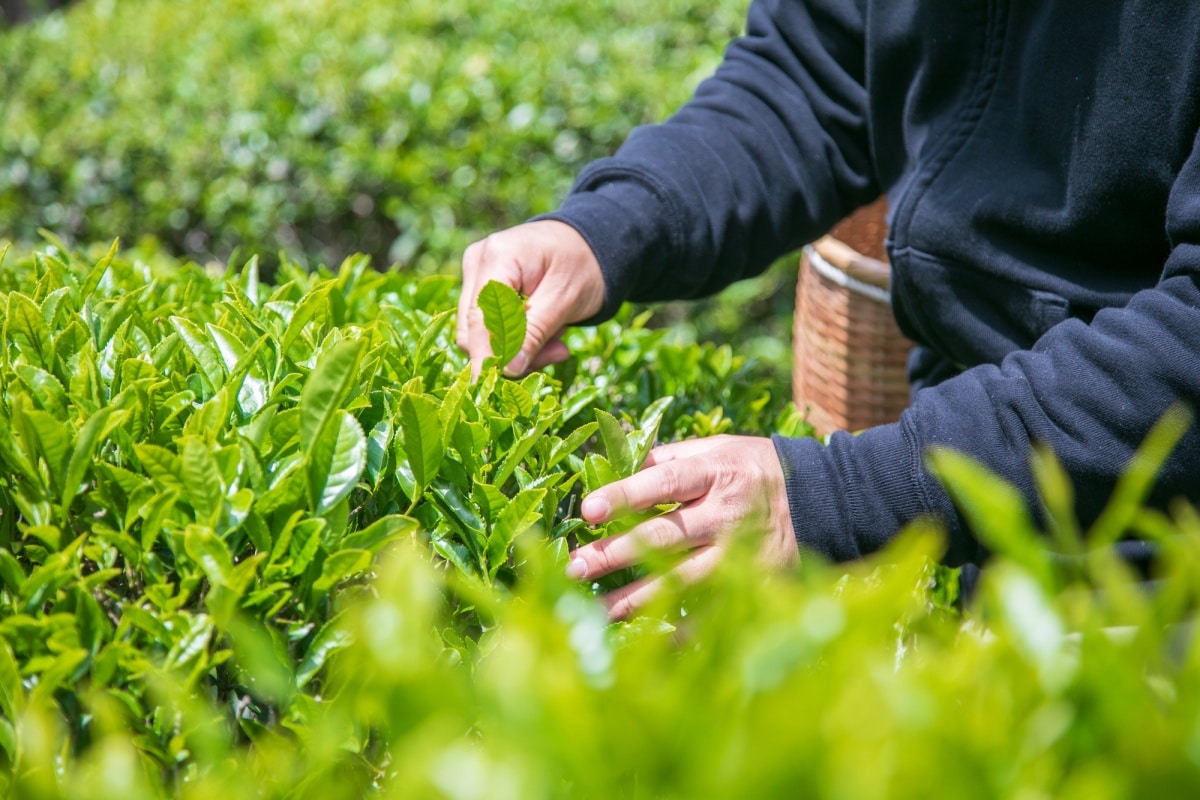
320,129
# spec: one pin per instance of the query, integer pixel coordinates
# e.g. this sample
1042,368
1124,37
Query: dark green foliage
402,130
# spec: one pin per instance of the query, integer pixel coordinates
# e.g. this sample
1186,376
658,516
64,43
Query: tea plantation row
272,540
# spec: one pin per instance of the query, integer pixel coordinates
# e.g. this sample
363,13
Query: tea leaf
522,513
504,317
335,463
421,435
616,445
202,481
327,388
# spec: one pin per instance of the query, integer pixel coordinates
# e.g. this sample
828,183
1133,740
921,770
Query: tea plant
195,464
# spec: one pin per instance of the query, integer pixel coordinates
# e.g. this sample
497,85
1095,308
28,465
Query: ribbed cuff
850,497
627,224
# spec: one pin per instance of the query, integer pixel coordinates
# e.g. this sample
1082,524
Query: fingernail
577,569
595,508
516,367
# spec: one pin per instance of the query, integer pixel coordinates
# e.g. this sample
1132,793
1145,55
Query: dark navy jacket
1043,171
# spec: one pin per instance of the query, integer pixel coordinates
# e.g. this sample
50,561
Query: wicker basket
849,368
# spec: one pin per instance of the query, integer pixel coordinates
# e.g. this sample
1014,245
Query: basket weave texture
849,355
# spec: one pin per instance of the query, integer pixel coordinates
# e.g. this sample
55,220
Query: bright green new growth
199,473
504,317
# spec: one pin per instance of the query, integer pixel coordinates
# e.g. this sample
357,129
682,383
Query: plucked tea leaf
504,317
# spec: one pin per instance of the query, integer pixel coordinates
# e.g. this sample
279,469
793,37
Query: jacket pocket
967,315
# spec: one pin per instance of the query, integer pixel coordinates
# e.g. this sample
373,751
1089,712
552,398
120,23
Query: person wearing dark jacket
1042,168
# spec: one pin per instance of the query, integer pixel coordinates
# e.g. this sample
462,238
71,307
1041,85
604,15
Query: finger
466,295
554,352
545,317
676,481
678,530
479,341
623,602
687,448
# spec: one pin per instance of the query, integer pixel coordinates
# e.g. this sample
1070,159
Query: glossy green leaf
202,351
336,462
25,327
421,435
313,304
202,481
504,317
572,443
332,638
381,533
210,553
11,572
340,566
616,444
46,390
522,513
53,440
598,472
94,432
240,360
526,441
327,389
643,439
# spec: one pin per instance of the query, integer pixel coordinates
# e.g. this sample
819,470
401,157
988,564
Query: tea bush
191,458
272,540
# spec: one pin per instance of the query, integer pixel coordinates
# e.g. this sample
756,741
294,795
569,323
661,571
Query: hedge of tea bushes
270,539
321,128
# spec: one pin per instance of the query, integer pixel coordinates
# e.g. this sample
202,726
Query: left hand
725,485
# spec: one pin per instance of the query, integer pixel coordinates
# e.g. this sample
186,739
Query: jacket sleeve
1089,391
769,153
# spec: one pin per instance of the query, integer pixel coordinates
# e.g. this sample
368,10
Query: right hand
553,266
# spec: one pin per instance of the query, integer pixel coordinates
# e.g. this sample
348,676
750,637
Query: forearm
769,153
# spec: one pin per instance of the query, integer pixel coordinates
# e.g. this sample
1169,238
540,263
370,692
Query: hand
550,263
726,485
